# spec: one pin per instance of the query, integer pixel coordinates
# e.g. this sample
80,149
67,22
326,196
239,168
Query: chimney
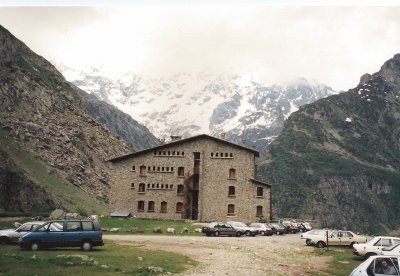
223,135
175,138
243,142
161,141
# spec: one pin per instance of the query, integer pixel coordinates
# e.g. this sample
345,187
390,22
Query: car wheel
35,246
216,233
320,244
308,242
248,233
208,234
262,233
278,233
238,234
86,246
4,240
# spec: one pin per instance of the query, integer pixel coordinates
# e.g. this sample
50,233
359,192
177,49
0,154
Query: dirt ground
275,255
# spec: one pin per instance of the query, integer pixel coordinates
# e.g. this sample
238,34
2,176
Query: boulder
171,230
57,214
185,230
17,224
157,229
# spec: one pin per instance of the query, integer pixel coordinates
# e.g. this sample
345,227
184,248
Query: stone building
200,178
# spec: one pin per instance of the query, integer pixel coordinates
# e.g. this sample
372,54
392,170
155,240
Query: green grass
342,263
126,224
110,259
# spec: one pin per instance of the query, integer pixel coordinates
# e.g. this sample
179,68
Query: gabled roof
183,141
121,214
259,182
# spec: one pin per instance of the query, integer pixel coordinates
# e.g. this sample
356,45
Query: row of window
163,207
221,155
179,189
231,210
179,208
169,153
143,170
232,191
142,187
181,171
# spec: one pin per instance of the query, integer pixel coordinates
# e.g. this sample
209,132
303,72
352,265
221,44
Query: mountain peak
390,70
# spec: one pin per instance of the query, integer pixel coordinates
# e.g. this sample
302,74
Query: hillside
52,149
338,159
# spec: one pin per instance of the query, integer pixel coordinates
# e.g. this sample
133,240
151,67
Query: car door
345,238
334,238
73,233
376,266
54,234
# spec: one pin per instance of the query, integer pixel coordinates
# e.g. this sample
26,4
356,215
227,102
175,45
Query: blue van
64,233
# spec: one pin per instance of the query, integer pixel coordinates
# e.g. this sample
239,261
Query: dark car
277,228
220,229
64,233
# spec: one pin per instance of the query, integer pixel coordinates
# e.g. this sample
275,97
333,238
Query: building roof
121,214
259,182
183,141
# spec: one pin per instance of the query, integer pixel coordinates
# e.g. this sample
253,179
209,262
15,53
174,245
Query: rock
140,258
57,214
136,230
72,215
157,230
33,257
197,230
17,224
114,229
171,230
94,217
155,269
105,266
185,230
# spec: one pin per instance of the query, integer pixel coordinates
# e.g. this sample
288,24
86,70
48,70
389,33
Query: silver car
8,236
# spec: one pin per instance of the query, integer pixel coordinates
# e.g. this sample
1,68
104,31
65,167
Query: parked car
291,227
243,228
220,229
277,228
64,233
374,266
262,228
393,250
374,246
308,235
305,227
8,236
338,238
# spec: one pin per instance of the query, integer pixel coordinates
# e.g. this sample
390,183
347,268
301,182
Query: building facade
200,178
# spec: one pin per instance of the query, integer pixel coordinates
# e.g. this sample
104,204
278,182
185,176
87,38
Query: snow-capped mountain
188,105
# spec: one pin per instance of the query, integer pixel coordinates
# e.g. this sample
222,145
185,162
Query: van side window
73,226
87,226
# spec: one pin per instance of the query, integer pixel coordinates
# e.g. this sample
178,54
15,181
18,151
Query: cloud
334,45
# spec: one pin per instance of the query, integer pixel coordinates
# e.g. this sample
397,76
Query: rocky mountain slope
120,123
188,104
51,146
338,159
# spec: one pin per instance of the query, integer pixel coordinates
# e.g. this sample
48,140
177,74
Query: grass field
110,259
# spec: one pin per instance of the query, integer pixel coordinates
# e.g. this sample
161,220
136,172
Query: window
133,168
231,191
163,207
260,191
231,209
142,171
179,190
231,155
148,186
212,154
179,207
132,185
142,188
181,171
74,226
140,206
87,226
232,174
150,206
226,154
259,211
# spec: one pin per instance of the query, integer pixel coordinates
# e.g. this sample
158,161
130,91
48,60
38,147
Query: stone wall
214,181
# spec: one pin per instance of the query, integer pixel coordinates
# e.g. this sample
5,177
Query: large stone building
200,178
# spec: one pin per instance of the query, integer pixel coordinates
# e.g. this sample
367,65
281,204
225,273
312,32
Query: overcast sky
272,43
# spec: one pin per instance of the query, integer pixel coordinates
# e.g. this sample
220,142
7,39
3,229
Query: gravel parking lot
274,255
